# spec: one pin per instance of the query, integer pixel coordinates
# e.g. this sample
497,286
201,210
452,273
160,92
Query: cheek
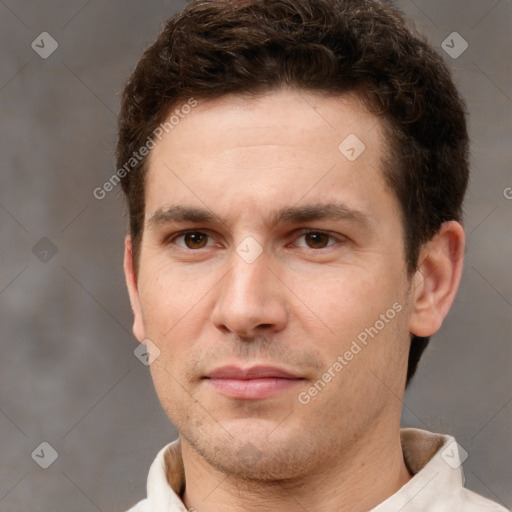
363,316
168,388
175,312
347,299
169,297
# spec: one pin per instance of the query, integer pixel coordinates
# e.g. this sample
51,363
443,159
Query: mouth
255,383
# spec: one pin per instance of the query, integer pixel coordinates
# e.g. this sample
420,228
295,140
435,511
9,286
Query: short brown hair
213,48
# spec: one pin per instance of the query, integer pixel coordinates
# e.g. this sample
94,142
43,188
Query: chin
256,450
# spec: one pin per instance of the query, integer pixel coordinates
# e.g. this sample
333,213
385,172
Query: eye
192,240
316,240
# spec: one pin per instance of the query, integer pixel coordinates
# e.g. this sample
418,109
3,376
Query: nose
250,299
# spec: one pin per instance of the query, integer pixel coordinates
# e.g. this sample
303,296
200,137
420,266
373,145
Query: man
295,172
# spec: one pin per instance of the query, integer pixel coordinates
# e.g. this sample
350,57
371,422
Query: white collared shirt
433,459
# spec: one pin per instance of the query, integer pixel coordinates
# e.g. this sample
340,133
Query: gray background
68,374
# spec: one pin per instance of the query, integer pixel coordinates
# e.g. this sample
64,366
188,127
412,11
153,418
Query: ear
133,291
437,279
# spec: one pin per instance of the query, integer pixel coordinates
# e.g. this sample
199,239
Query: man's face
274,278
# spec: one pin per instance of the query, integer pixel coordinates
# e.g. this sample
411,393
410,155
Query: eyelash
338,239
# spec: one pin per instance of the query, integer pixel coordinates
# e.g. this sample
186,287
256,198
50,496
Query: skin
298,306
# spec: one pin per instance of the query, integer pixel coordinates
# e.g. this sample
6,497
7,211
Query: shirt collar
435,462
166,480
433,459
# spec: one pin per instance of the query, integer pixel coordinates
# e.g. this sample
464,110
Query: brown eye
317,239
196,240
192,240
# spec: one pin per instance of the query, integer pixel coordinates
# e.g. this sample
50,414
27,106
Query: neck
365,474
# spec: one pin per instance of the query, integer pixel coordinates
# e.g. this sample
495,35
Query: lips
255,383
255,372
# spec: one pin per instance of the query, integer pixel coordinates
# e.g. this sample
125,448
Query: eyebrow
291,214
178,213
320,211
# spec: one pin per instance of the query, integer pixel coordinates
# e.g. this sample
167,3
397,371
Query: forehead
277,147
283,117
